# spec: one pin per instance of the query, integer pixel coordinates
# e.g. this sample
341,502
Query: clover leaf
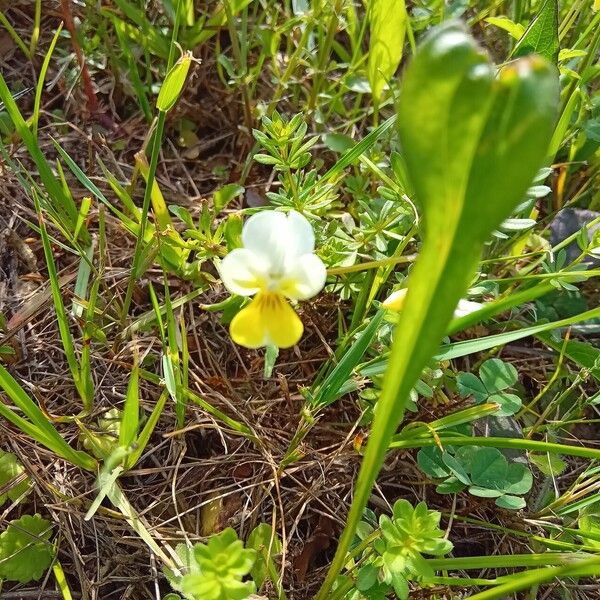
495,377
484,471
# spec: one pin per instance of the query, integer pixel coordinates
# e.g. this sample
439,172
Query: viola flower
395,302
276,263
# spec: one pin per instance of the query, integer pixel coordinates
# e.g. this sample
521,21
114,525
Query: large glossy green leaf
472,141
541,37
388,26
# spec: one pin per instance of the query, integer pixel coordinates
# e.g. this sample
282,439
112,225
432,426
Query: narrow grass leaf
35,117
131,410
61,315
62,203
39,427
144,437
329,390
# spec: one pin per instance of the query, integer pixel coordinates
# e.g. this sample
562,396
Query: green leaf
267,545
516,30
11,468
497,375
548,464
214,570
511,502
63,205
431,462
489,468
541,36
147,430
484,492
36,423
470,385
518,479
450,486
223,196
387,19
131,410
329,390
25,552
173,84
466,347
581,353
400,585
466,455
589,525
367,577
338,142
509,404
457,468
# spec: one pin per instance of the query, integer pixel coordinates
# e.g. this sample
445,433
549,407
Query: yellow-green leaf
388,27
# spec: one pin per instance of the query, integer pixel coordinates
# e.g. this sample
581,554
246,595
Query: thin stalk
522,581
241,64
35,34
499,442
14,35
324,50
156,144
502,561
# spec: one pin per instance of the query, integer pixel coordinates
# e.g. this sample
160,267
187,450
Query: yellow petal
268,319
247,328
283,324
395,301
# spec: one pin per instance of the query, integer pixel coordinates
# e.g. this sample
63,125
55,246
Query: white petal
304,278
266,233
466,307
278,237
301,235
244,272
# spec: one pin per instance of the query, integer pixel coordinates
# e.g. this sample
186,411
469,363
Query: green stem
324,50
420,322
500,562
156,144
139,242
499,442
524,580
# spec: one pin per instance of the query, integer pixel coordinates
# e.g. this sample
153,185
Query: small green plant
394,552
25,552
215,570
105,439
495,378
286,147
484,471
